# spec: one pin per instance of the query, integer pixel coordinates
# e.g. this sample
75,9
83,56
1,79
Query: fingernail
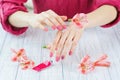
45,29
57,58
59,28
53,27
51,54
64,27
70,53
62,57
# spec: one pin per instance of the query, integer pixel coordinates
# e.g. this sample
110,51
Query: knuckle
51,17
57,17
54,43
74,43
67,44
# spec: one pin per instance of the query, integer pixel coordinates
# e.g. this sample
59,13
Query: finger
48,23
61,42
52,18
57,17
68,44
66,49
61,27
41,26
46,19
55,42
75,41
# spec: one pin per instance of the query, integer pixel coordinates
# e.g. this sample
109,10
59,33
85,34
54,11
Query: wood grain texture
94,41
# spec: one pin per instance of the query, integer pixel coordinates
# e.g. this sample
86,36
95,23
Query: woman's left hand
66,41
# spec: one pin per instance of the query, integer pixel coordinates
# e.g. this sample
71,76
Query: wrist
19,19
29,19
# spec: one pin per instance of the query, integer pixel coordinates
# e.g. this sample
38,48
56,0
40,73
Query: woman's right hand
47,18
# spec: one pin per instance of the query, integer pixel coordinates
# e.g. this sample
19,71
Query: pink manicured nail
45,29
59,28
53,27
51,54
57,58
62,57
70,53
64,27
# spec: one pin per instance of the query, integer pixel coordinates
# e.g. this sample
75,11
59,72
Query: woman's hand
21,19
66,41
47,18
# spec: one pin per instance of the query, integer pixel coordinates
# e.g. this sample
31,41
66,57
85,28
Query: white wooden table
95,42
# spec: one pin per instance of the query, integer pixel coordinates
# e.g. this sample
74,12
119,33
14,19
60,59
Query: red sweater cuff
8,27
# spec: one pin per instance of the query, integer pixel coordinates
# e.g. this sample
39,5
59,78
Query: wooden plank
94,41
9,69
2,37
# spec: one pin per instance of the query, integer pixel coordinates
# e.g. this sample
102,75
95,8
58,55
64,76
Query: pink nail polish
64,27
70,53
45,29
51,54
59,28
62,57
42,66
57,58
53,27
